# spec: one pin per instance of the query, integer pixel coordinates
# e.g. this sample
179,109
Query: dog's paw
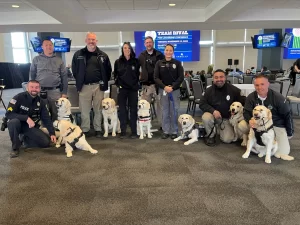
244,143
234,139
94,151
186,143
113,134
260,155
176,139
267,160
245,155
141,136
69,154
149,135
57,145
106,135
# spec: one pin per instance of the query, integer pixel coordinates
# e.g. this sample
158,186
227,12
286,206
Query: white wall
6,52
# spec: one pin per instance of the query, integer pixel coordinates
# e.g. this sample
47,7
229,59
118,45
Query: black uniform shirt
23,105
93,69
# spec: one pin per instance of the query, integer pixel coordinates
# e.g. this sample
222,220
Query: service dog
261,139
110,117
236,119
73,137
144,119
189,129
64,110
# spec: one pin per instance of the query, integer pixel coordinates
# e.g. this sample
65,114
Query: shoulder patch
10,109
13,101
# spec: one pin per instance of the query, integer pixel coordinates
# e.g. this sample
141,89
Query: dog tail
284,157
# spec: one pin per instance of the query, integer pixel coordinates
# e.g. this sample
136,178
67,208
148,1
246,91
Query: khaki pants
90,97
224,127
282,140
147,94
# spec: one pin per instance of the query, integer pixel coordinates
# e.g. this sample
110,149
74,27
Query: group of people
160,74
217,99
161,77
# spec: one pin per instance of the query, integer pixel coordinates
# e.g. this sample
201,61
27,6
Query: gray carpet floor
149,182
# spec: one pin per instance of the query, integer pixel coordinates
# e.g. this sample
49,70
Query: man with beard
24,112
215,104
148,59
92,70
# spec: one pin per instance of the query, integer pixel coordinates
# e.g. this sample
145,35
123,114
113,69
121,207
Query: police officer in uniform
169,75
24,112
126,70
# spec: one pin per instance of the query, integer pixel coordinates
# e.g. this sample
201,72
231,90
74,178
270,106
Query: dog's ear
113,103
192,120
269,114
179,119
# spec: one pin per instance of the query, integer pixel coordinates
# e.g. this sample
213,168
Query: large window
20,47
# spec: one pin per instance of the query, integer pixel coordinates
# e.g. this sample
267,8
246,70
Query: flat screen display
186,43
60,44
292,51
266,40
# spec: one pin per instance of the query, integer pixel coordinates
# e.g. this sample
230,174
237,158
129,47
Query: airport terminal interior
153,181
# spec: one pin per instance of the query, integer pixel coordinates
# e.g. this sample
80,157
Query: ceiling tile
94,4
146,5
197,4
120,5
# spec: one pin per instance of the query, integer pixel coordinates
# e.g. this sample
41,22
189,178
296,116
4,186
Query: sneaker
14,153
87,134
173,136
133,136
99,134
122,135
164,136
210,141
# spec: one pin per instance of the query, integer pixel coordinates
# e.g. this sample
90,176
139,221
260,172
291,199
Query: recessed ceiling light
15,6
172,4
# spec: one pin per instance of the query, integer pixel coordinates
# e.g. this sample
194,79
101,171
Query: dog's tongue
232,113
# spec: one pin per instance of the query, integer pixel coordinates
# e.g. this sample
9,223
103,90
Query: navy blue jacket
23,105
79,67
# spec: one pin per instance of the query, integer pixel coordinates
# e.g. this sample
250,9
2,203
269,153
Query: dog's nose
140,106
184,123
255,114
232,110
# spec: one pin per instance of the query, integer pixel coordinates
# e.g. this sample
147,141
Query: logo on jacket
174,66
38,104
80,57
133,68
227,97
24,108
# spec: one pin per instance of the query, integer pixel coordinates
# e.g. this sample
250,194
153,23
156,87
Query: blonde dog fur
263,123
110,111
238,122
69,132
187,123
144,119
64,109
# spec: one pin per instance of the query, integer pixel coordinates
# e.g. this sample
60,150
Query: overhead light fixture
15,6
172,4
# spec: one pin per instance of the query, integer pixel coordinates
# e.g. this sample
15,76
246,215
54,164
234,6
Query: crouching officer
24,112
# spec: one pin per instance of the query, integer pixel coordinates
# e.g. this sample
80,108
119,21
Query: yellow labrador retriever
262,139
189,129
144,119
110,117
238,122
64,110
73,137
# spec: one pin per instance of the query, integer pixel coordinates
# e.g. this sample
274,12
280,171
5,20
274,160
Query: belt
92,83
50,88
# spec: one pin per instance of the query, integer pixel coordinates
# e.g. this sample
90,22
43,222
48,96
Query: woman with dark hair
126,71
168,75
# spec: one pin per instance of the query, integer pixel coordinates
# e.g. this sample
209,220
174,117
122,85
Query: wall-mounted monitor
60,44
292,49
186,43
271,40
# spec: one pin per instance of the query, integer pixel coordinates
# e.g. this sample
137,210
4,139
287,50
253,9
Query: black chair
198,92
276,86
73,97
247,79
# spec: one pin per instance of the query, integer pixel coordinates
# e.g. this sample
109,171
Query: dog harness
73,143
70,117
144,118
258,135
195,126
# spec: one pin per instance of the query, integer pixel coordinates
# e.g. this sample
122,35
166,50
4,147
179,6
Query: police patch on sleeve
13,101
10,109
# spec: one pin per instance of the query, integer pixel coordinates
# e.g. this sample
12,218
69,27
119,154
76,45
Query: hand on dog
252,123
217,114
64,96
53,138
